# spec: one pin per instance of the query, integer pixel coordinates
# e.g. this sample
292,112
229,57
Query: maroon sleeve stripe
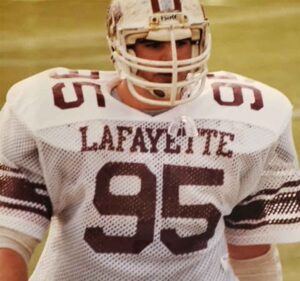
273,191
8,169
20,189
19,207
291,184
262,212
250,226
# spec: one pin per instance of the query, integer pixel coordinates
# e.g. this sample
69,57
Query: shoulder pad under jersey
232,97
43,100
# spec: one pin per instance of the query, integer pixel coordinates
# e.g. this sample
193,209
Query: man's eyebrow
144,40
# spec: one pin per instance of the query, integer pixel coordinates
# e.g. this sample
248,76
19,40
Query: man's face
162,51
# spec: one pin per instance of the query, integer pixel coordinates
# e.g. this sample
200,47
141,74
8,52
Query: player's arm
268,214
25,206
13,266
256,262
15,253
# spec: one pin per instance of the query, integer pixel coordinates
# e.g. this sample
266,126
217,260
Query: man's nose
166,54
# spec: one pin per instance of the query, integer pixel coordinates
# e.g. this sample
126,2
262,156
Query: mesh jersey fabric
127,200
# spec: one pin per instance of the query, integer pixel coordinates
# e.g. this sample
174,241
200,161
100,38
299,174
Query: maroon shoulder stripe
24,190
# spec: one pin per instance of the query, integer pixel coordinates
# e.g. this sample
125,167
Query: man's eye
182,43
152,44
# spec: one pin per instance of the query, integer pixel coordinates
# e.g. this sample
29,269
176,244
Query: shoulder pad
40,100
229,96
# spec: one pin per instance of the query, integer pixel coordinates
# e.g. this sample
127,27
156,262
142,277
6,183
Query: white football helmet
160,20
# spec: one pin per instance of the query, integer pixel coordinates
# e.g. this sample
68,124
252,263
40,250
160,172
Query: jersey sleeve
25,205
271,213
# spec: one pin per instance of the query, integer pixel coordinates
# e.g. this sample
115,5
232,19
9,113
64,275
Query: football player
158,171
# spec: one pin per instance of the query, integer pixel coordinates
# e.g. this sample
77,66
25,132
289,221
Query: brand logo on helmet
166,5
168,17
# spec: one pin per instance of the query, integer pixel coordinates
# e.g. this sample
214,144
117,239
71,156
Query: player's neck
127,98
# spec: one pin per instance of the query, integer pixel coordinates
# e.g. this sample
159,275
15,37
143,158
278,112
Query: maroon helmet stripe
156,6
178,5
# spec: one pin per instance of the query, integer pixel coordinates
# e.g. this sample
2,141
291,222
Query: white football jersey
130,196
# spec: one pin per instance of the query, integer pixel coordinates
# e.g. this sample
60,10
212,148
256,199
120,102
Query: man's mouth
164,77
